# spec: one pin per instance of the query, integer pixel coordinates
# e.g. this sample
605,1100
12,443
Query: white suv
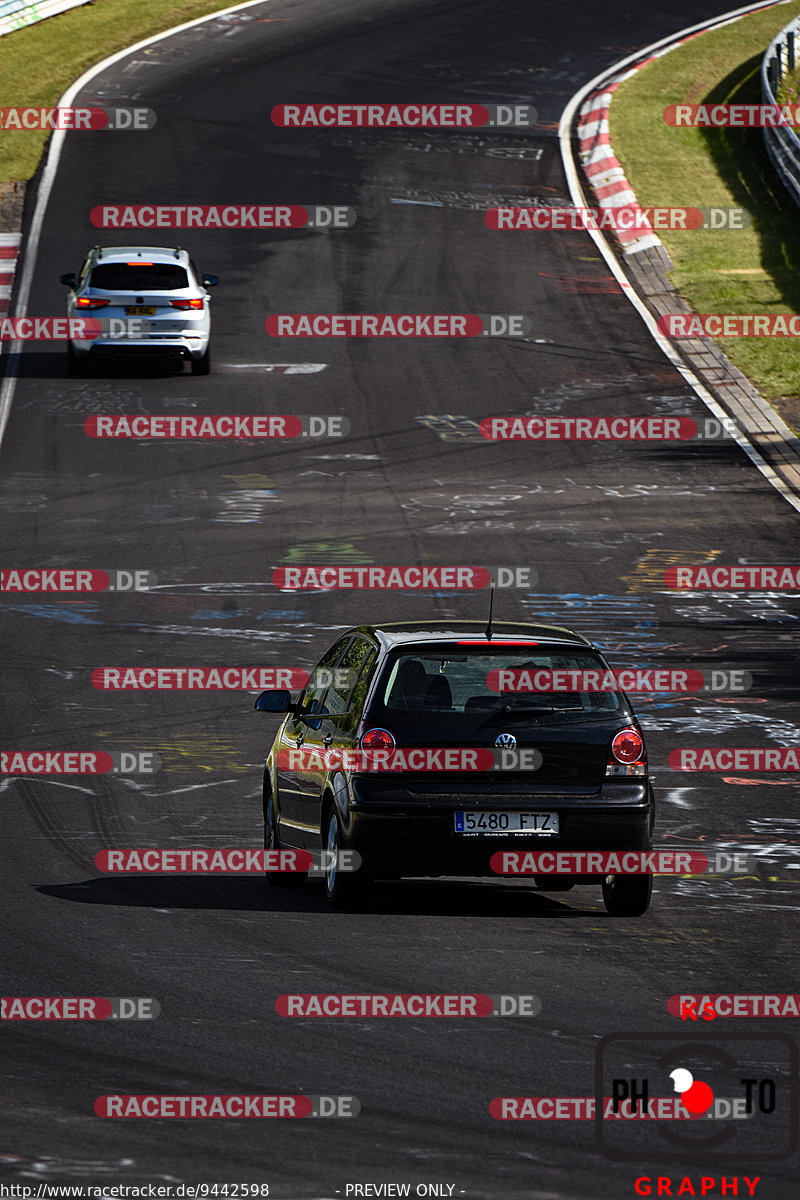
158,294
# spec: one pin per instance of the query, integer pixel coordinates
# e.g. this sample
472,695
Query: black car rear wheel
627,895
271,842
342,889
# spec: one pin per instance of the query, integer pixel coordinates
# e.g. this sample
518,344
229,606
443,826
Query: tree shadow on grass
741,159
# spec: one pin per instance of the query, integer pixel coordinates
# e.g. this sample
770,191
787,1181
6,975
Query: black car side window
313,699
350,682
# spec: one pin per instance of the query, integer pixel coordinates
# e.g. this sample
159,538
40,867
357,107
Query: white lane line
423,203
8,386
280,368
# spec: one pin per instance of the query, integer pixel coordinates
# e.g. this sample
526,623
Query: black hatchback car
581,781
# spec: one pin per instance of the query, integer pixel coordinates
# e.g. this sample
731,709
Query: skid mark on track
748,781
44,1165
72,787
334,551
760,606
212,631
247,503
451,427
648,574
194,787
205,752
599,617
705,720
57,612
464,199
584,284
678,796
233,614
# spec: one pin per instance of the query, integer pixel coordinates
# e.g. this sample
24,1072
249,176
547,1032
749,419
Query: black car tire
202,366
77,364
627,895
343,889
271,842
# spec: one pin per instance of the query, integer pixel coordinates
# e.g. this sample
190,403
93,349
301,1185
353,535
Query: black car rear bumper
406,833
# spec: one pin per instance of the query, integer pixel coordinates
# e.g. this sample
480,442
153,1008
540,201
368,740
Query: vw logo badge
505,741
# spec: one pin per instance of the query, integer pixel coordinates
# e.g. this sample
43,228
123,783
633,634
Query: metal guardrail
17,14
783,144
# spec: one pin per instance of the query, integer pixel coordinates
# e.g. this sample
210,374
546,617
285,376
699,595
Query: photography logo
740,1092
696,1096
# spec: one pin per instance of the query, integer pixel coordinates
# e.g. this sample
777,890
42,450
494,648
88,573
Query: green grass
38,63
755,270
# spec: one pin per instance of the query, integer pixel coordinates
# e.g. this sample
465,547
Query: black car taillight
377,739
627,753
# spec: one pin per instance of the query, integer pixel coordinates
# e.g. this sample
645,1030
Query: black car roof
404,633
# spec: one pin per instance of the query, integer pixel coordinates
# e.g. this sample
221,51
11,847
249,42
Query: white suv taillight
627,753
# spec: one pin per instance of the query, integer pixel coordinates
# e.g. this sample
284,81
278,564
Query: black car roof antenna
491,606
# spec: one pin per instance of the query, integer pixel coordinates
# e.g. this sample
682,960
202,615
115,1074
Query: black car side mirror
67,280
274,702
210,280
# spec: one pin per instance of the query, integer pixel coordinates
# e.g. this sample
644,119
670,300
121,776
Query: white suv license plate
498,823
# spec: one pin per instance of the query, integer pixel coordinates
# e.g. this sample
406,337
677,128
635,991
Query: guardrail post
782,142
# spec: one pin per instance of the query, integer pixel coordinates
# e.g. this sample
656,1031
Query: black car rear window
136,277
466,687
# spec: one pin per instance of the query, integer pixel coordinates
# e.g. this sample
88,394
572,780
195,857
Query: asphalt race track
413,482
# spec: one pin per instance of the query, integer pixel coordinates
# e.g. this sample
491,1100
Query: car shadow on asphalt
430,897
41,364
